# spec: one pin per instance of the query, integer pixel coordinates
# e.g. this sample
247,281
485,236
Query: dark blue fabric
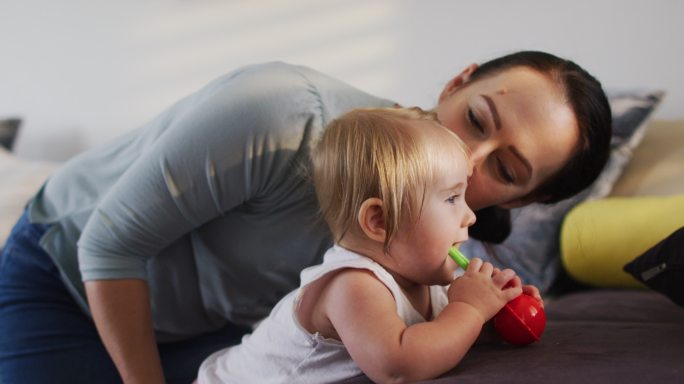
46,338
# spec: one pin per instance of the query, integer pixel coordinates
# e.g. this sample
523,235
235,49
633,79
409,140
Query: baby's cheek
447,272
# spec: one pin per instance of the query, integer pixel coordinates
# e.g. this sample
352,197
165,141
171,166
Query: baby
391,185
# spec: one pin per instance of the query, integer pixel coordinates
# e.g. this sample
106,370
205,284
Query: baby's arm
363,313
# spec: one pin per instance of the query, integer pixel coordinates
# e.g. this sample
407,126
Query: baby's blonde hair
369,153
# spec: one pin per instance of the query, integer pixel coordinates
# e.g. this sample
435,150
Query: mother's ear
457,82
372,220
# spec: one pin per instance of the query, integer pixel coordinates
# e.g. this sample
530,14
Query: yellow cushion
599,237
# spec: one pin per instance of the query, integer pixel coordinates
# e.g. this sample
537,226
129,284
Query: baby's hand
534,292
485,288
527,289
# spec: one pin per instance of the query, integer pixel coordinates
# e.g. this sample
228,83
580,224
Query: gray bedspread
593,336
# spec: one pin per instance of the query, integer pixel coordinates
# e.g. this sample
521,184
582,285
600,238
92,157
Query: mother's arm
121,310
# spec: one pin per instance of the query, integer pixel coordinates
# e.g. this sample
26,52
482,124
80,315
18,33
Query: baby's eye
452,199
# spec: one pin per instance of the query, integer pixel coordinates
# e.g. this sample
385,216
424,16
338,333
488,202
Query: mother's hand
122,315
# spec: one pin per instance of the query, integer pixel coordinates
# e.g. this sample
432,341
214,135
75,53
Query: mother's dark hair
586,97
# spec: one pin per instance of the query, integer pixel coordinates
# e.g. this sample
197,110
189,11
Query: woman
182,233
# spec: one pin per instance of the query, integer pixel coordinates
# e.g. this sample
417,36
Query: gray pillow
8,132
532,249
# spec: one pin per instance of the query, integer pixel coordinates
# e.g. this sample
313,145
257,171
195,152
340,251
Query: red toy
521,321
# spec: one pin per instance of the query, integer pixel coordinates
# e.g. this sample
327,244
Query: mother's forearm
122,315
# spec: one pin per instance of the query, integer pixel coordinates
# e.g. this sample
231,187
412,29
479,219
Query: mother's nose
479,151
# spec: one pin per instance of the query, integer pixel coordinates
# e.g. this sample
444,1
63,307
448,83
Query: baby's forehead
439,138
451,158
439,143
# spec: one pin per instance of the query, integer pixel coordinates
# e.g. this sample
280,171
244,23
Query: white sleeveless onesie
280,350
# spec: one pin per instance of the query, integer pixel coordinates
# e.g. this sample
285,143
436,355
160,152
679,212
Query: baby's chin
445,280
435,280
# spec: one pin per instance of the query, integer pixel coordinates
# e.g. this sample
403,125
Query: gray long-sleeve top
209,202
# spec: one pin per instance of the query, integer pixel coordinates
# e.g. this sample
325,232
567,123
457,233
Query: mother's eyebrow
494,111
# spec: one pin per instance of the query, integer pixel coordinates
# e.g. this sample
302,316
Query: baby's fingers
515,282
474,265
512,292
487,269
501,278
532,291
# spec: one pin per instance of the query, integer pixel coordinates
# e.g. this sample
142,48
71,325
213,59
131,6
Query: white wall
81,71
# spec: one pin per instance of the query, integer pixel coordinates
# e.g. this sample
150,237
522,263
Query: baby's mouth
460,242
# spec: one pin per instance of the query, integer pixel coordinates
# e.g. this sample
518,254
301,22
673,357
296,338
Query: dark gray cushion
594,336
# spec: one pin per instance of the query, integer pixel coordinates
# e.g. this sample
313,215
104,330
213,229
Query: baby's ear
371,219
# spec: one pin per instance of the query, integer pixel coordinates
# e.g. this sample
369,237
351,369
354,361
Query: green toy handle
459,258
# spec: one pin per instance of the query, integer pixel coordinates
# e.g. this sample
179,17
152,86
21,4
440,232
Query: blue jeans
46,338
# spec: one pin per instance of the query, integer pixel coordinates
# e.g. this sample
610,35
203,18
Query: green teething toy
459,258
